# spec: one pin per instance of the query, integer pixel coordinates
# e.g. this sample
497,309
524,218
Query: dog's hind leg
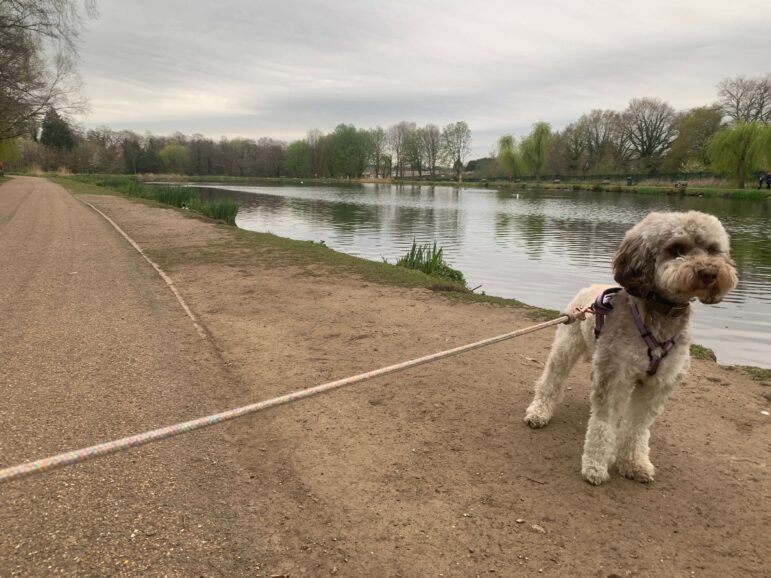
568,346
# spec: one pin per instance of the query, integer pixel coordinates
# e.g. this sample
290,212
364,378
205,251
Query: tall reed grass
182,197
429,259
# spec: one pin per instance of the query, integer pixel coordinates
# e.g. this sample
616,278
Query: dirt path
427,473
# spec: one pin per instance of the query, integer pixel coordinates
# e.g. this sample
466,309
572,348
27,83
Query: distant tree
650,126
413,149
297,162
377,137
535,148
695,128
349,151
56,132
741,148
746,99
508,156
598,127
398,135
430,138
456,146
174,158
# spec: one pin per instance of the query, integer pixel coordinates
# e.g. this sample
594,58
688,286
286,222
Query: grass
759,374
701,352
428,258
180,197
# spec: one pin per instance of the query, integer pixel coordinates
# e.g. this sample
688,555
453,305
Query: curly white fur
678,256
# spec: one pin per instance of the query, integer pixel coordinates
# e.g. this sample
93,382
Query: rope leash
111,447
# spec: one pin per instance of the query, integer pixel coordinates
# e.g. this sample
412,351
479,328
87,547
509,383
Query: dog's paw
537,417
641,470
595,473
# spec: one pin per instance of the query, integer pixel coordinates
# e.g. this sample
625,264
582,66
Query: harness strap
656,350
601,307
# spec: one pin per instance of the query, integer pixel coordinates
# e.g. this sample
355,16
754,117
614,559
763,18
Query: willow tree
535,148
508,156
739,149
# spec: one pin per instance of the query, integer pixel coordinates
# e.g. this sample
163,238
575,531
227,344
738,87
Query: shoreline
386,273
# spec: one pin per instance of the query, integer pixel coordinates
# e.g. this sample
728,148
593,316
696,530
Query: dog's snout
707,276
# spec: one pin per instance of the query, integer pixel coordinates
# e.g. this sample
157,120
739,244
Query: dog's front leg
608,393
645,404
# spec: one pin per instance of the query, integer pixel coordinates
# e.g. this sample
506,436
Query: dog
662,264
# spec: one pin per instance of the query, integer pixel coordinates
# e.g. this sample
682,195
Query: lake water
538,247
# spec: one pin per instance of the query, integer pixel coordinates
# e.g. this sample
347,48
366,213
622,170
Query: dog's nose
707,276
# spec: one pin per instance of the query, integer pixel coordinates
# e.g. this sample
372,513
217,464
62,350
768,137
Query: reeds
428,259
182,197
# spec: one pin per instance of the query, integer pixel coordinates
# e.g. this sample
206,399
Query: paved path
94,346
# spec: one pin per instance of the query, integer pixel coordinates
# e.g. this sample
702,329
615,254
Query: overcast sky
256,68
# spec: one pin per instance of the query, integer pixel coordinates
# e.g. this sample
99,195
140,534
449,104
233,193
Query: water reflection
537,247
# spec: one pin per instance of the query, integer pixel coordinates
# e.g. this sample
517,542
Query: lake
538,247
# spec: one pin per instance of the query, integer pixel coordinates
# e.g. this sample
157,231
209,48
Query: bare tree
378,140
397,140
431,142
746,99
38,51
650,126
598,127
456,146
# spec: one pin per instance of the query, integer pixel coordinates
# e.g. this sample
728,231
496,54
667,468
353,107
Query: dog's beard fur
678,279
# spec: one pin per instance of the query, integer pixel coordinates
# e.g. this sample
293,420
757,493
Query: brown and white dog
663,263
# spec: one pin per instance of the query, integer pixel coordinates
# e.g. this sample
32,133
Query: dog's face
678,255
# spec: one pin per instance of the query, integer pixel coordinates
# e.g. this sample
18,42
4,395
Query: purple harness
657,350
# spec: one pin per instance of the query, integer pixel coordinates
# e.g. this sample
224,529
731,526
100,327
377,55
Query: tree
456,146
740,148
377,138
56,133
174,157
695,128
37,60
508,156
650,126
746,99
535,148
430,138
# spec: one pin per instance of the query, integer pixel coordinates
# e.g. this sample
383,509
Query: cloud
278,69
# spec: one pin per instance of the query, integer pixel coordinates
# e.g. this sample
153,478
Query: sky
267,68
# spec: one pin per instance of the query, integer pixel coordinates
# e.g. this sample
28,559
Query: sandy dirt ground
431,472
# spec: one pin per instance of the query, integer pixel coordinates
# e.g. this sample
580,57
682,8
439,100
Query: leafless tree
746,99
650,126
431,142
597,127
38,51
398,135
456,146
379,142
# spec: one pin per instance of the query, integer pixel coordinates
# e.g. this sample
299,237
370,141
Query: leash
111,447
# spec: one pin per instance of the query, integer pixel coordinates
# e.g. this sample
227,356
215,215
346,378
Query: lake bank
431,471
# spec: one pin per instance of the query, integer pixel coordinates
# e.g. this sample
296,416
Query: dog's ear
634,263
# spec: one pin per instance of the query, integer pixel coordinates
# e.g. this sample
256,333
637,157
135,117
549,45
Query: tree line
40,91
731,136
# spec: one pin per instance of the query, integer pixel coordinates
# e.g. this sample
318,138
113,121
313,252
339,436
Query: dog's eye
713,249
677,249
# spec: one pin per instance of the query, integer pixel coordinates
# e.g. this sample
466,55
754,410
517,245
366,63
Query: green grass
701,352
428,258
759,374
180,197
